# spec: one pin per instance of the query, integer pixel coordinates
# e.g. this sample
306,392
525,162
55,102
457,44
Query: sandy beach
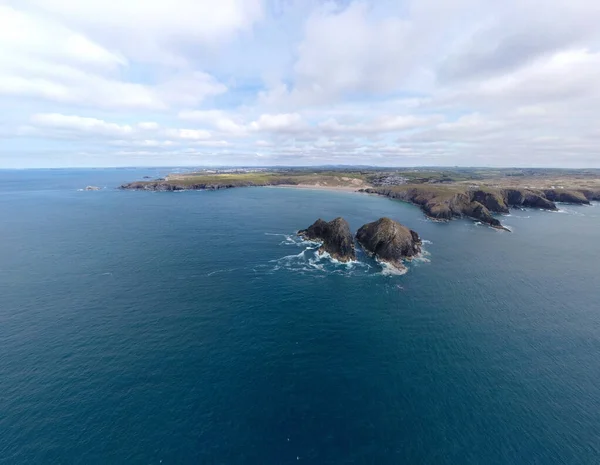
321,187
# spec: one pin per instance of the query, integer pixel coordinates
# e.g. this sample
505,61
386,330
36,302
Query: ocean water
147,328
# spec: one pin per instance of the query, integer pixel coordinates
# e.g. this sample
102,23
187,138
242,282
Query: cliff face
491,199
528,198
336,238
591,194
447,203
389,241
566,196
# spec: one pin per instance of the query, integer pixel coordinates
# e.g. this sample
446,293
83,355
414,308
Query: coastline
439,201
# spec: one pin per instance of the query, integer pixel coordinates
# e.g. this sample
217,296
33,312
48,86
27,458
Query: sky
299,82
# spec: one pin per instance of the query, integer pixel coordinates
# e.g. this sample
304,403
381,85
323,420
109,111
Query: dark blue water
193,328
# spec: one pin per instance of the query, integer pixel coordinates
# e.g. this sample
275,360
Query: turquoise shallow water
194,328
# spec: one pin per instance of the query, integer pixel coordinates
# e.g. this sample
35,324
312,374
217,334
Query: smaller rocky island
335,237
389,241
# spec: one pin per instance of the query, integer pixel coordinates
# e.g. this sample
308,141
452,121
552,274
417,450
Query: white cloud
188,134
155,31
348,51
148,125
79,124
21,34
284,123
78,127
72,86
380,125
218,119
353,81
42,59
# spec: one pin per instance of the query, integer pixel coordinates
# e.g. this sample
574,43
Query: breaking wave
310,260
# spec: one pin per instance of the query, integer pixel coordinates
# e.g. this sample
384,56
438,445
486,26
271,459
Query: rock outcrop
335,236
389,241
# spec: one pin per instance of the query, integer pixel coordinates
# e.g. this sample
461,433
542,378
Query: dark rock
336,238
389,241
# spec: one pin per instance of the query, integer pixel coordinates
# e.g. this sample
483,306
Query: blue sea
194,327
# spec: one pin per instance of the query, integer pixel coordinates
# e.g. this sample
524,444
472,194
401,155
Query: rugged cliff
527,198
566,196
447,202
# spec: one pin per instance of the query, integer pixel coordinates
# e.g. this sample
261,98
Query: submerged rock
389,241
336,238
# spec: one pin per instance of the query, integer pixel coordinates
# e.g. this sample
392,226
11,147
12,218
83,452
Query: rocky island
335,237
389,241
386,240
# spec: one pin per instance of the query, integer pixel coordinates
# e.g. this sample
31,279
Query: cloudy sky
299,82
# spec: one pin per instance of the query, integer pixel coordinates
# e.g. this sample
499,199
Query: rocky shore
447,202
439,201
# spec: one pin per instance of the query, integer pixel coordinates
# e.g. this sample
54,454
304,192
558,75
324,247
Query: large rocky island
442,194
389,241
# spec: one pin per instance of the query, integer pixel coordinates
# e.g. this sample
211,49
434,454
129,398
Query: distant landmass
442,194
